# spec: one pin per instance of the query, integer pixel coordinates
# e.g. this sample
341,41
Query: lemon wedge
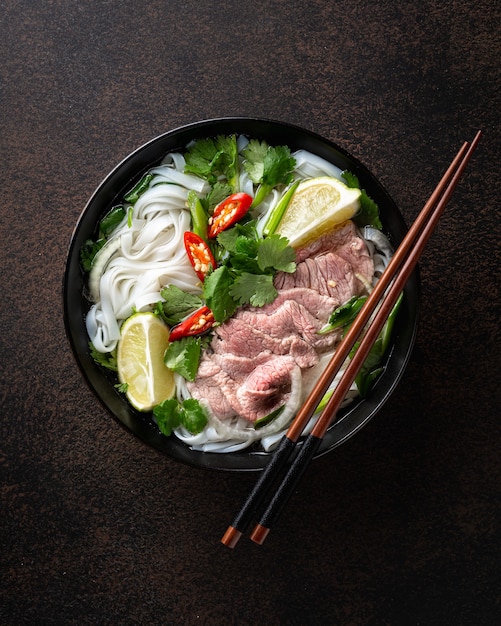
140,360
317,207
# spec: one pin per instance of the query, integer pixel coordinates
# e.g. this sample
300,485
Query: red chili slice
198,323
228,212
199,254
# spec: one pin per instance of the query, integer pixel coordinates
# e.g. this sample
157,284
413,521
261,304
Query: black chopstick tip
259,534
231,537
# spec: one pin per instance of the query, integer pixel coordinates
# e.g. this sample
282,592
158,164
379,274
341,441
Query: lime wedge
317,207
140,361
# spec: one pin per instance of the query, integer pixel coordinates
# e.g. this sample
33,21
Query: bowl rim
114,185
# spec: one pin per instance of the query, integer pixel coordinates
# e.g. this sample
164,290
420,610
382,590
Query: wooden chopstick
313,440
383,296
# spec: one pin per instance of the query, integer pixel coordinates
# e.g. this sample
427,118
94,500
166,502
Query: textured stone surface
398,526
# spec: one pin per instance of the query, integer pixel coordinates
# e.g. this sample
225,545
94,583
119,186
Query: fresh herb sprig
177,304
170,414
267,166
369,210
183,356
247,271
212,159
108,360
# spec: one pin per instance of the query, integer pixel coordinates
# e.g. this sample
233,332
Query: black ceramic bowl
110,192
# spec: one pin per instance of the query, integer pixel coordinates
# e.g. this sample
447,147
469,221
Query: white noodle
150,255
310,165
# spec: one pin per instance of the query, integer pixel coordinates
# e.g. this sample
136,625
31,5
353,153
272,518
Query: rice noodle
310,165
150,254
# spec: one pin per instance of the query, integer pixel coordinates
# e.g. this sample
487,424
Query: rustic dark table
398,526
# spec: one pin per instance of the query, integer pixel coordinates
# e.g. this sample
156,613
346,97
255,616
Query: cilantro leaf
240,262
167,416
177,304
183,356
193,416
170,414
268,166
368,215
228,238
350,179
212,158
219,192
254,165
274,252
253,289
202,159
244,257
246,246
217,293
250,263
107,360
277,166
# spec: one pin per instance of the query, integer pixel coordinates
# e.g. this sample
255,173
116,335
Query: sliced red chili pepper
228,212
199,254
198,323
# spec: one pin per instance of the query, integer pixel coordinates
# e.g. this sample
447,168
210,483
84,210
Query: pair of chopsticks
383,298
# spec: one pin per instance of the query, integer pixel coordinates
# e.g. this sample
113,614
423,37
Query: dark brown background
398,526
